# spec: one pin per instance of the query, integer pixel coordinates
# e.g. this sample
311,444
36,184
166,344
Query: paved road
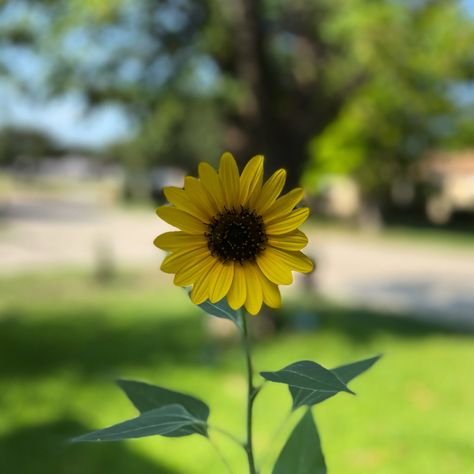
433,281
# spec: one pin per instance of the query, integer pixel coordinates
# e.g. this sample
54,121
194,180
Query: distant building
449,177
74,167
339,196
165,176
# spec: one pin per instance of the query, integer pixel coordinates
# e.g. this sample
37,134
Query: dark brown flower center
236,235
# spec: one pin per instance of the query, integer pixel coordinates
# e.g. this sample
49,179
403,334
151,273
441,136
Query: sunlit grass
64,339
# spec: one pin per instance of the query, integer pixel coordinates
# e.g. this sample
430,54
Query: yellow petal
192,271
220,282
296,261
238,290
229,175
283,205
182,220
251,180
273,270
212,185
200,291
289,223
177,260
171,241
195,192
270,291
254,300
295,240
270,191
181,200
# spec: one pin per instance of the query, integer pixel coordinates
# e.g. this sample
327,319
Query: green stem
251,394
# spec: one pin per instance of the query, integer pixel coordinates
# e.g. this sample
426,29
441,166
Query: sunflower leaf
308,375
147,397
346,373
302,453
221,309
169,420
350,371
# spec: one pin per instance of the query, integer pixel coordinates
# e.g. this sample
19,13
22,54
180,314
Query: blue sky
65,119
469,5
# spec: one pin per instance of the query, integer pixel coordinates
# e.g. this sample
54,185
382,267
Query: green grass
64,339
431,236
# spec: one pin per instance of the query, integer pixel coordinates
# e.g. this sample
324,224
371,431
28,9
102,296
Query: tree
413,57
350,85
30,144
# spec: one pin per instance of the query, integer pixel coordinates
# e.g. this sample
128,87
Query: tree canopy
333,86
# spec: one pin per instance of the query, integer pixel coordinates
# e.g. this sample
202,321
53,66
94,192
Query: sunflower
238,239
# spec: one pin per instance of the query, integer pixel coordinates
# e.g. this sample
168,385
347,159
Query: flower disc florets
236,235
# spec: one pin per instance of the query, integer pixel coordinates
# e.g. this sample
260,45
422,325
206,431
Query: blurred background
368,105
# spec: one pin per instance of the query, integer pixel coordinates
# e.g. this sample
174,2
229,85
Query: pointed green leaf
346,373
221,309
302,453
308,375
349,372
303,397
147,397
170,421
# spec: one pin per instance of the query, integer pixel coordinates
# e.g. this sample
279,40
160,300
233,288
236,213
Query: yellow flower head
237,239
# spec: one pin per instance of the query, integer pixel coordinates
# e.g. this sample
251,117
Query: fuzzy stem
251,394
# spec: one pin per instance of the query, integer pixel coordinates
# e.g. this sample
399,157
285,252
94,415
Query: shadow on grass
93,343
44,449
359,324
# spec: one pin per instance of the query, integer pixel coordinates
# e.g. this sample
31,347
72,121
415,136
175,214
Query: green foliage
349,372
177,133
28,144
308,375
409,60
302,453
345,373
221,309
169,420
173,414
147,397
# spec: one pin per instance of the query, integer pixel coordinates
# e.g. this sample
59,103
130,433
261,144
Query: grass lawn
64,339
